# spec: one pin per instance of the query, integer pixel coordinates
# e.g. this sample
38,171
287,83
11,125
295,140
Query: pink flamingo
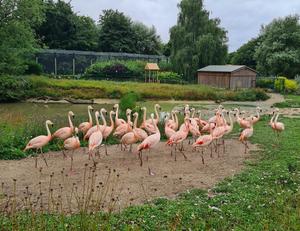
171,122
139,133
178,138
241,121
147,124
276,126
245,135
128,139
39,142
256,118
201,123
108,129
66,132
72,144
124,128
85,126
96,138
204,141
94,128
150,142
118,121
168,129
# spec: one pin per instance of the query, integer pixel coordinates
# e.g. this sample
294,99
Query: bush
169,77
267,83
129,101
13,89
116,70
283,84
34,68
165,66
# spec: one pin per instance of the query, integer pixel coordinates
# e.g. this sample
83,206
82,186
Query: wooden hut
227,76
151,72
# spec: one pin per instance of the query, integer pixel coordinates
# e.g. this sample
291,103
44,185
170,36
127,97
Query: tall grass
87,89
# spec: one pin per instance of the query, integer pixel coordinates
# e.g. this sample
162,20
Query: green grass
87,89
265,196
292,101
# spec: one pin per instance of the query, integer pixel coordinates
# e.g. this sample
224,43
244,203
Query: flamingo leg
71,169
141,158
64,154
44,157
211,151
223,143
202,156
185,158
105,146
130,148
36,160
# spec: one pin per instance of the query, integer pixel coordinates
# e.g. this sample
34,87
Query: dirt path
129,184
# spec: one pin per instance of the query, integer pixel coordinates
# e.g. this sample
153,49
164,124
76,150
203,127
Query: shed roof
152,67
223,68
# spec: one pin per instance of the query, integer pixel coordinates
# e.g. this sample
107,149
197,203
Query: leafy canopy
196,40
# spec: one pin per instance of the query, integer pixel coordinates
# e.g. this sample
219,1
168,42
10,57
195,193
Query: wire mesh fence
70,62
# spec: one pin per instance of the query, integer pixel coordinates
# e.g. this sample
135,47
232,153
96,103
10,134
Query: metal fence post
55,64
74,64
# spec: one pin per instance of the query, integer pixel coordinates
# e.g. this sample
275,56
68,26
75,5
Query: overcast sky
241,18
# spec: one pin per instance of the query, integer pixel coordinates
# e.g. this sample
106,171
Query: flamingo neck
128,119
258,114
117,113
193,114
97,122
111,121
90,117
70,122
276,118
176,119
272,119
135,122
103,119
231,121
156,113
48,130
172,115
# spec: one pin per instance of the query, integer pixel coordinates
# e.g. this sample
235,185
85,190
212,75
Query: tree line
196,40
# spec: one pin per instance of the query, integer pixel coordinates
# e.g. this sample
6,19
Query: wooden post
74,64
55,65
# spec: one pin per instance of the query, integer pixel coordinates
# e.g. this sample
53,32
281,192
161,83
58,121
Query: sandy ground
127,183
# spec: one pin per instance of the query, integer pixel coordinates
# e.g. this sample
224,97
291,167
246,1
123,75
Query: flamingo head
258,109
112,112
220,107
49,122
128,112
158,107
97,115
103,110
90,108
193,109
76,130
116,106
152,115
143,109
71,114
135,114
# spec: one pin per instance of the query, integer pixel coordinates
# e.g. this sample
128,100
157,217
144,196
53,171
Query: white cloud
242,19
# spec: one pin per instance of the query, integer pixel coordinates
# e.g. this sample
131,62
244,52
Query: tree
17,20
245,54
196,40
63,29
116,33
146,39
279,51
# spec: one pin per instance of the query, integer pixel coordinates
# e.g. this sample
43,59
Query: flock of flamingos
204,133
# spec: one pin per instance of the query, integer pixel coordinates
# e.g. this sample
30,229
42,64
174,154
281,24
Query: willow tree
196,40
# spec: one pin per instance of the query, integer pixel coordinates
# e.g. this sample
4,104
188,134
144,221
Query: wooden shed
151,72
227,76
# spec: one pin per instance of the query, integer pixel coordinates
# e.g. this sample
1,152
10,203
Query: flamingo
148,125
85,126
118,121
124,128
39,142
241,121
168,129
228,128
172,123
72,144
257,117
96,138
245,135
108,129
213,119
276,126
128,139
178,138
139,133
94,128
201,123
204,141
150,142
66,132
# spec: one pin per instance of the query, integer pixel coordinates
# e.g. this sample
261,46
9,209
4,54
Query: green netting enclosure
70,62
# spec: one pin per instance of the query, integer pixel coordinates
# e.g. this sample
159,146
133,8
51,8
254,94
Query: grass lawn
265,196
292,101
88,89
